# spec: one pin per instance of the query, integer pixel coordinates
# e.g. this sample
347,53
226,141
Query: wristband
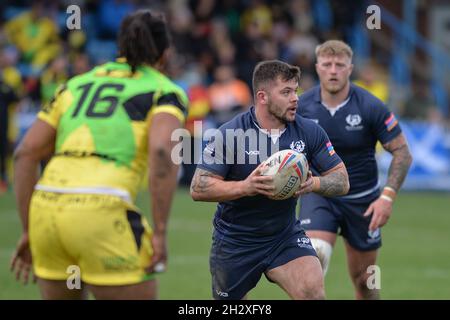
316,184
390,188
387,198
389,192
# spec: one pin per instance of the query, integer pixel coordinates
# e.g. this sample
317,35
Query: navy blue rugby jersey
354,130
236,158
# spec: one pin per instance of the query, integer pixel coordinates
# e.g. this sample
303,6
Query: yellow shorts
103,235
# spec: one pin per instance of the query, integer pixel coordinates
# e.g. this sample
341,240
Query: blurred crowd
216,46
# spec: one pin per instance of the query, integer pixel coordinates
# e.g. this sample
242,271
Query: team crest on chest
298,146
354,122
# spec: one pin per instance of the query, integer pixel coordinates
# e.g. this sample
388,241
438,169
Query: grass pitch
414,259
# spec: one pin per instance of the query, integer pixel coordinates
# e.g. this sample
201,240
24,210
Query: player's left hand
380,210
306,186
159,258
21,261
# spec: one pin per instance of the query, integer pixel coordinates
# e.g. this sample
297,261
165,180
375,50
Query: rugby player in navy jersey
354,120
254,235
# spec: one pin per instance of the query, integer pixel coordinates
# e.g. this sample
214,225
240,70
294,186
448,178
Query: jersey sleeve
384,123
174,102
51,112
323,155
215,157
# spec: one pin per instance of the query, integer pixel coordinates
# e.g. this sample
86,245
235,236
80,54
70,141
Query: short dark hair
143,37
268,71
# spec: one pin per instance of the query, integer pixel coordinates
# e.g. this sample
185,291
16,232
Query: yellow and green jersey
102,119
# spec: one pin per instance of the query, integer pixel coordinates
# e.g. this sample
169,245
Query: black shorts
237,268
344,215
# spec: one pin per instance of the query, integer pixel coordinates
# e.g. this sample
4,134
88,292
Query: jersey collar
333,110
274,137
123,60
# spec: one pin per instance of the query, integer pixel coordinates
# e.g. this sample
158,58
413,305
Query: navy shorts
344,215
236,267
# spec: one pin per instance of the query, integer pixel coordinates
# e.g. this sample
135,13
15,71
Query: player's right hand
256,183
159,257
305,187
21,262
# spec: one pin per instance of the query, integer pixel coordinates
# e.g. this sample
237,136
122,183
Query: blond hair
334,48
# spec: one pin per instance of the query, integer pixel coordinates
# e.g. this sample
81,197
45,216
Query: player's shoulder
305,123
309,95
364,98
240,121
166,86
84,78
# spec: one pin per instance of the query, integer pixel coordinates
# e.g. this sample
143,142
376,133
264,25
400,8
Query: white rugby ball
289,169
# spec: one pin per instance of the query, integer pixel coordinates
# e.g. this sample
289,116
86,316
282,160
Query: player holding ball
253,234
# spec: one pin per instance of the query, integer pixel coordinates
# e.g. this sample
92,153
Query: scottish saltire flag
430,147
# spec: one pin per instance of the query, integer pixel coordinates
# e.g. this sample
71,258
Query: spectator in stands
35,35
55,75
260,14
80,64
110,15
371,80
8,72
7,97
420,105
228,95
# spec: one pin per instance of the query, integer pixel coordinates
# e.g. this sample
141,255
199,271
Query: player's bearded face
334,72
282,100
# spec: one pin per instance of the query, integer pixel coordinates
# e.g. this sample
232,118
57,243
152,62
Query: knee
311,288
363,291
313,292
360,279
317,294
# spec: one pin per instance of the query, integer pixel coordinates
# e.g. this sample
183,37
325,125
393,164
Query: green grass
414,259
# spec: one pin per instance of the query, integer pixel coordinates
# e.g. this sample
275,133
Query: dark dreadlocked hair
143,37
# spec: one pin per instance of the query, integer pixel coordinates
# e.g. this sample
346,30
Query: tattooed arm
381,208
333,182
401,161
206,186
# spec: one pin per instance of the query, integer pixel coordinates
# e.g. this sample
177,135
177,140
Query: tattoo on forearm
333,184
401,161
399,167
201,181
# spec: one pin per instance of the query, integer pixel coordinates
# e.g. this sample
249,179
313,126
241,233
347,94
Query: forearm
398,169
401,161
334,183
162,184
25,178
205,187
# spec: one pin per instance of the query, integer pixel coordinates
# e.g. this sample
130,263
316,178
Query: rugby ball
289,169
